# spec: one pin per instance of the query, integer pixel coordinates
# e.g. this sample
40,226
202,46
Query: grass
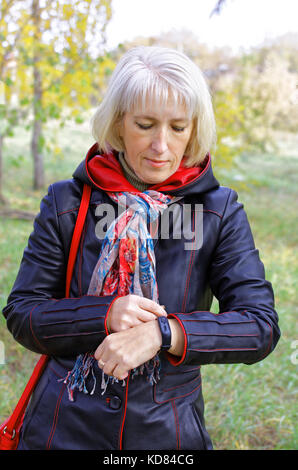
246,407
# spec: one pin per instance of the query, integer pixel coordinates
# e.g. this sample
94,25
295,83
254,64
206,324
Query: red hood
105,172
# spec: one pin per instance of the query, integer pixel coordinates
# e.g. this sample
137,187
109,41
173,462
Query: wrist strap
166,333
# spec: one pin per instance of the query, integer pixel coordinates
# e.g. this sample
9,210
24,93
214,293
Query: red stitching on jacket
31,328
207,311
77,208
191,260
69,210
73,334
81,259
55,419
270,341
224,349
183,371
55,372
175,398
176,424
106,317
222,322
72,321
124,413
219,334
181,385
80,297
171,359
78,307
213,212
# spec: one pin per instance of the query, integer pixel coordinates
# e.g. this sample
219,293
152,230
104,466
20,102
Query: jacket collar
104,171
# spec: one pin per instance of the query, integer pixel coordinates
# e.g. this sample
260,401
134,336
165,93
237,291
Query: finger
161,313
120,373
98,353
112,368
106,365
101,355
152,306
144,316
100,363
109,368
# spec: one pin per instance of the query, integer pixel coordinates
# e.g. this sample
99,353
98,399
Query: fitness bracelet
166,333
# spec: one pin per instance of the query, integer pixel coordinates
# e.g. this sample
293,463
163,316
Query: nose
160,141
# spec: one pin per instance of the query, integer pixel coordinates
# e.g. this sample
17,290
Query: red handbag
10,429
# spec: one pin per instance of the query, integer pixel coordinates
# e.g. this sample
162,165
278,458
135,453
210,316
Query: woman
160,239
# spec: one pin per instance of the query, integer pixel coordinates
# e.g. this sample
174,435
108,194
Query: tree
12,26
62,46
52,62
267,91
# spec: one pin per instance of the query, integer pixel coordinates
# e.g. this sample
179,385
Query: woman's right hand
132,310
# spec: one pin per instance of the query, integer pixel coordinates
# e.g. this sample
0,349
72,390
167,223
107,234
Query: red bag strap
16,417
77,235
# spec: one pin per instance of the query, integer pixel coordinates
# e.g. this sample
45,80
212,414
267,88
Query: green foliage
267,90
47,67
254,94
254,407
247,407
229,123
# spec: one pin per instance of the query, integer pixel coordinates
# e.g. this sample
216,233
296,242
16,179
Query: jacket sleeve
246,328
37,314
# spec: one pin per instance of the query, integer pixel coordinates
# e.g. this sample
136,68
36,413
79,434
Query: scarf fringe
76,378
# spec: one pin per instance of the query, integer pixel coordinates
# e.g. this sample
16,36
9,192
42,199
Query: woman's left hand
123,351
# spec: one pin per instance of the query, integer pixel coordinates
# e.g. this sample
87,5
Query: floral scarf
126,265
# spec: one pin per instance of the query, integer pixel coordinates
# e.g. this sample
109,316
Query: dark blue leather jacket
168,415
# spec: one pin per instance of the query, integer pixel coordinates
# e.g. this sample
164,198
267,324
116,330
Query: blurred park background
55,60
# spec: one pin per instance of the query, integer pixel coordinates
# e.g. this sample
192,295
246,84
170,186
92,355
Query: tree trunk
38,166
36,146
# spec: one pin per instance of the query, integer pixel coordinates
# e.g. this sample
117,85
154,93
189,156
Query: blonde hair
156,73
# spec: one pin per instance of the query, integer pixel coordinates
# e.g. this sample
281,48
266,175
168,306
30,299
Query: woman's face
155,140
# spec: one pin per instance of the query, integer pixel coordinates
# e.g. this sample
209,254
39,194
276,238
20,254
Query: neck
130,175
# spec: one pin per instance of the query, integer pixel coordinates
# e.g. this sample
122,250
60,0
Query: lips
156,163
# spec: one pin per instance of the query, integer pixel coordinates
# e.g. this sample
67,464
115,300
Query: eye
178,129
143,126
